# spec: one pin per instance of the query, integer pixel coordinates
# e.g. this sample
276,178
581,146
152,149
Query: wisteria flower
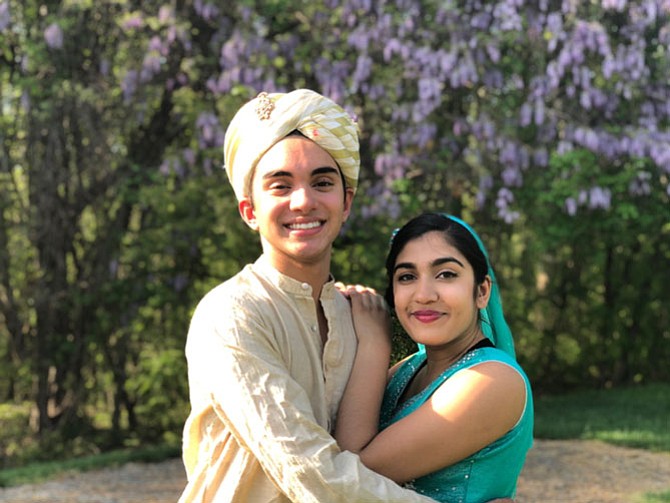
53,35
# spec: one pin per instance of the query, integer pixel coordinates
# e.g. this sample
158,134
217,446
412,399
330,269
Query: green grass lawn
631,417
38,471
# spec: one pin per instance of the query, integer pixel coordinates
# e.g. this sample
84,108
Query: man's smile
299,226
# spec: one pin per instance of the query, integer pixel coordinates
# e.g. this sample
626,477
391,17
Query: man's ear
246,209
348,201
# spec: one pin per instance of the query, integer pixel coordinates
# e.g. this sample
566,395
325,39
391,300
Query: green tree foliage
106,245
597,306
545,124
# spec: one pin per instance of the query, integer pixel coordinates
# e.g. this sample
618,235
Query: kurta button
304,286
313,328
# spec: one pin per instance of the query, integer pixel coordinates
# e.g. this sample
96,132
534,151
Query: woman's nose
425,291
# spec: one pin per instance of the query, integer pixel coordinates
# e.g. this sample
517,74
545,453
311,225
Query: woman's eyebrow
404,265
444,260
435,263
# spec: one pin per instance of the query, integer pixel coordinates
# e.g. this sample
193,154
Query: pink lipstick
426,316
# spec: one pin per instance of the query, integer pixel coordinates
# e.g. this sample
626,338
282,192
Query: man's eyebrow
325,170
317,171
276,174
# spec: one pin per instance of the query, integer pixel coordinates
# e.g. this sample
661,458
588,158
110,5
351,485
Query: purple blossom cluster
5,16
616,5
593,198
167,34
485,185
493,88
393,166
157,50
504,204
129,84
634,142
173,165
591,71
210,132
237,55
461,61
207,10
53,36
384,202
640,185
134,21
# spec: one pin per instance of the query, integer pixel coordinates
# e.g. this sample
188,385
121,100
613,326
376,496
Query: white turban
268,118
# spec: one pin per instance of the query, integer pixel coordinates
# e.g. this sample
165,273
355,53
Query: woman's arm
242,388
469,411
358,415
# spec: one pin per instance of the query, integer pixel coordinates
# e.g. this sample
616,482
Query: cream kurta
263,399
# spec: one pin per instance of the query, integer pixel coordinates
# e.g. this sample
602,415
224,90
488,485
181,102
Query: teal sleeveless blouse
485,475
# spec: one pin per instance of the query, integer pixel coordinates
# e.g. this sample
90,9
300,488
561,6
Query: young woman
456,417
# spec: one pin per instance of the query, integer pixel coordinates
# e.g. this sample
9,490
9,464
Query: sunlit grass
35,472
630,417
655,498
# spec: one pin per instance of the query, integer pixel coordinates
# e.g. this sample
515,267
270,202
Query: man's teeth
309,225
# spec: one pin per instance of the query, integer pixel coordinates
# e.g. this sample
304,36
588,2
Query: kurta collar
291,285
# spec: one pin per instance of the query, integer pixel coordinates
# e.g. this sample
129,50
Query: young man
270,350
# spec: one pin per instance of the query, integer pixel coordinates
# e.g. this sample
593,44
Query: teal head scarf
494,324
492,318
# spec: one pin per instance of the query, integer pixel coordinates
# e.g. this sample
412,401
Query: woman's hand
370,314
358,417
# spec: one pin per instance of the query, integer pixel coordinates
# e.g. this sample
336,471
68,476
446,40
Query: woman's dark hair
454,233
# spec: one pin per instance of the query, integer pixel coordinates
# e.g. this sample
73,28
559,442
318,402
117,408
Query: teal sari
493,471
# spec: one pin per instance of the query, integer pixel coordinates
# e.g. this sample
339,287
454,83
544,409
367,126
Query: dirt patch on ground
591,472
556,471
